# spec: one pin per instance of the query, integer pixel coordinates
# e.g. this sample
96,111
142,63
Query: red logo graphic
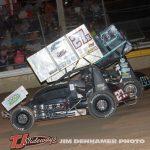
19,141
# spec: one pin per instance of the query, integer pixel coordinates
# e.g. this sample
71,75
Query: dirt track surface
128,122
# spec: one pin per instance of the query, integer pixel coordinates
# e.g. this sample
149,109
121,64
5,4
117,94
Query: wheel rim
131,89
101,105
22,119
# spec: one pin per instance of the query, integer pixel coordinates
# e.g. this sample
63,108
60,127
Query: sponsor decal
145,80
13,99
61,53
19,141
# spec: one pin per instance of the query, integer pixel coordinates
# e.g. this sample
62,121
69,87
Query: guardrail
15,72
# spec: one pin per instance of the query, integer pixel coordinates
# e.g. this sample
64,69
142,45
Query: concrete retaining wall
139,63
11,83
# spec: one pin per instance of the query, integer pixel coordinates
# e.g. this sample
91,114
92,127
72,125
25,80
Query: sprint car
75,67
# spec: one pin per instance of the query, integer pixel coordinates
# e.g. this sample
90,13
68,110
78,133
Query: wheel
22,118
102,104
133,88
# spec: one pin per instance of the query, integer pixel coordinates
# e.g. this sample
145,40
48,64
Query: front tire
22,118
102,104
133,88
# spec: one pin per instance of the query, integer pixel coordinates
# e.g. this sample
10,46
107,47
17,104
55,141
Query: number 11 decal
79,38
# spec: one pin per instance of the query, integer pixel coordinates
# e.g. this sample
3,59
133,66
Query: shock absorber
36,112
42,111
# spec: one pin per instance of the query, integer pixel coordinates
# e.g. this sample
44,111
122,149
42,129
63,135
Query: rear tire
102,104
22,118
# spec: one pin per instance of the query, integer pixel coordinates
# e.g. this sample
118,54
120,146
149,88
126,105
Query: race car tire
22,118
133,88
102,104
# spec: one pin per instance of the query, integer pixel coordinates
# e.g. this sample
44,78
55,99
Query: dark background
122,10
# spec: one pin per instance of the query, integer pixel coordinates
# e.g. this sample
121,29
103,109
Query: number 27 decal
120,95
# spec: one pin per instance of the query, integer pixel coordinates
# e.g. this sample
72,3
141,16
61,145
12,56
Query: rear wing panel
72,51
78,49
